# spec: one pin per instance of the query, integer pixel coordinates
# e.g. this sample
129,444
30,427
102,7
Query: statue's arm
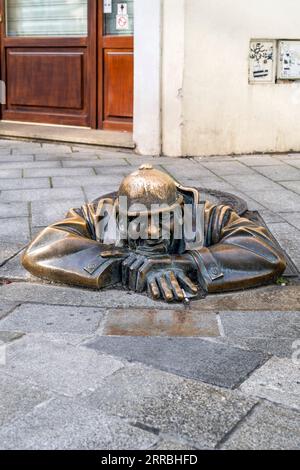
243,255
65,252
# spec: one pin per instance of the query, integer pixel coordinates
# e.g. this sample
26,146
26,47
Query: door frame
109,42
89,118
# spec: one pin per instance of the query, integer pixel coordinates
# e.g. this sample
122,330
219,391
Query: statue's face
151,233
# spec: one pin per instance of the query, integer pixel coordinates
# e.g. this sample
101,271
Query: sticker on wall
289,60
107,6
262,61
122,20
122,9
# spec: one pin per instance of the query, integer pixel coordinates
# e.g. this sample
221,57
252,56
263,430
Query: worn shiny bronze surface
235,253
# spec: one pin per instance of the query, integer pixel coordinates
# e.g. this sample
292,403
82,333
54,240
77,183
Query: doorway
68,62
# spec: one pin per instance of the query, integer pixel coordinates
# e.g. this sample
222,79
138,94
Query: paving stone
211,183
95,192
210,362
278,381
284,200
15,158
6,308
280,347
9,336
256,324
93,163
186,171
17,165
18,398
10,173
59,367
253,182
54,148
13,270
172,445
292,185
8,250
295,162
15,230
278,298
279,172
24,183
265,298
198,413
63,295
34,318
268,427
45,213
292,219
269,332
94,181
228,168
289,238
117,171
41,194
259,160
50,172
270,216
19,147
13,209
252,204
155,322
63,424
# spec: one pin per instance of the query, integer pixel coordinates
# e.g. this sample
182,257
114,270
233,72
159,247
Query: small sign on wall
289,60
107,6
122,20
262,61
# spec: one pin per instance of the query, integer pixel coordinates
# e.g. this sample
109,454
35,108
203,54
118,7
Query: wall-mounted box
262,64
288,60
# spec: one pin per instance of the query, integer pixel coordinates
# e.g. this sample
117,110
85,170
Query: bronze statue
139,238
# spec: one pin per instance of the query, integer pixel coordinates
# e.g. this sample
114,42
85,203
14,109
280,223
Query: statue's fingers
177,291
187,284
142,275
125,268
133,272
164,288
153,289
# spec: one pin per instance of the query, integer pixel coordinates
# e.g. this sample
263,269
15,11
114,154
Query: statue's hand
164,276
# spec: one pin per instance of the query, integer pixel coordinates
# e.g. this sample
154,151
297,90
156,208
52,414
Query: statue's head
149,199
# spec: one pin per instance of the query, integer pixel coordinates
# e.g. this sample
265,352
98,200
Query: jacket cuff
208,268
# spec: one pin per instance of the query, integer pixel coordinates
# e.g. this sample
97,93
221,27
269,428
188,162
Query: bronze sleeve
243,256
65,252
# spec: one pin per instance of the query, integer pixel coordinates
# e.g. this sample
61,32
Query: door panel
50,79
116,70
66,62
118,79
35,78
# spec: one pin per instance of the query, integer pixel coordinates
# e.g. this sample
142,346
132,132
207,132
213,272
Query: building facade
186,77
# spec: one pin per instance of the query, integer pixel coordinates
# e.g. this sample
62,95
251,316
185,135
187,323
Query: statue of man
155,236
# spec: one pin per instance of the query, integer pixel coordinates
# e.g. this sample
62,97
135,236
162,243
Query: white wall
173,41
222,113
147,76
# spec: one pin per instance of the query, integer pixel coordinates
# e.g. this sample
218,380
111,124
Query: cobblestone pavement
78,372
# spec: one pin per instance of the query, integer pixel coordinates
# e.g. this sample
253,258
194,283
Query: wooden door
48,61
116,66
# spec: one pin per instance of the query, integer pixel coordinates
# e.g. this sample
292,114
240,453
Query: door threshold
66,134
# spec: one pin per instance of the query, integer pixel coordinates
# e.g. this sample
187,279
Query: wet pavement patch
157,322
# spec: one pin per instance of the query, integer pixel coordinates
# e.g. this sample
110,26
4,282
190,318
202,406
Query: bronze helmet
146,187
